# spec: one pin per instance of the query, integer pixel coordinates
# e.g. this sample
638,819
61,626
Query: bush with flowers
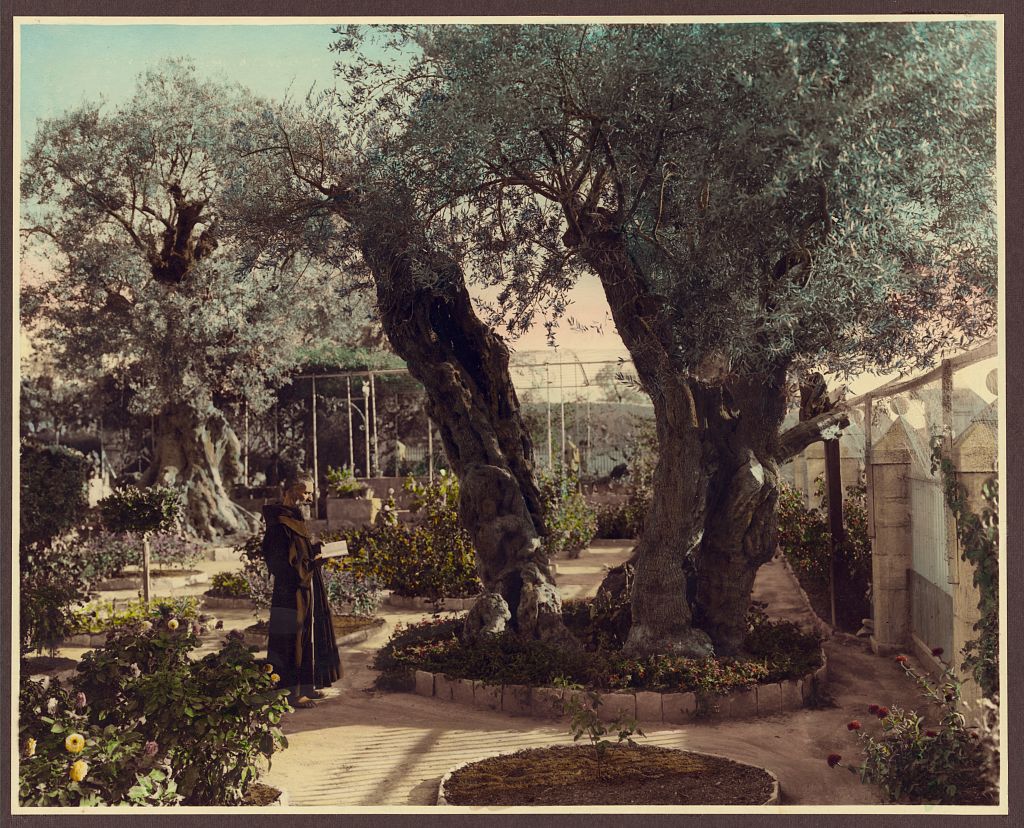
229,585
950,763
102,616
152,724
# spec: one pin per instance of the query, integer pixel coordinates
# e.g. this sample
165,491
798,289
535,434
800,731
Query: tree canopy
820,195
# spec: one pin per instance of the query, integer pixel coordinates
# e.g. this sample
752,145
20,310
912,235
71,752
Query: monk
301,646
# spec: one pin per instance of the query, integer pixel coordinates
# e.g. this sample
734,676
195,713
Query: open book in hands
334,549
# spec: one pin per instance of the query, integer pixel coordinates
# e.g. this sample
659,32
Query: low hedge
775,651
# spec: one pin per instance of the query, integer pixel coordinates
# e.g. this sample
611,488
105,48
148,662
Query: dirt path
363,747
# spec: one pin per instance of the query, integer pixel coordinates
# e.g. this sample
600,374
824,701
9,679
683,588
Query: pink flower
854,725
833,759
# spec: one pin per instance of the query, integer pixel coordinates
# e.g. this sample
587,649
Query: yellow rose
269,668
172,624
30,747
78,771
74,743
274,677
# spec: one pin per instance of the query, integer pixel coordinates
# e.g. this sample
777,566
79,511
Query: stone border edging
216,602
443,800
355,637
415,602
172,582
642,705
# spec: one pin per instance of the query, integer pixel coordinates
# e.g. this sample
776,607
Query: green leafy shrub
67,760
805,539
911,762
55,577
626,519
131,509
342,483
571,522
213,721
350,592
103,616
229,585
52,493
433,559
255,571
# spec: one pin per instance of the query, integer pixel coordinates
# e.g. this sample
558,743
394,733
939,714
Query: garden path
363,747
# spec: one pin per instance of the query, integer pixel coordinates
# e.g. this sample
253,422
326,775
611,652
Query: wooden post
146,593
351,442
430,449
373,407
316,469
834,483
245,445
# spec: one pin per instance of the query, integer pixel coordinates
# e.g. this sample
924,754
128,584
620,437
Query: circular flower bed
774,652
578,775
347,629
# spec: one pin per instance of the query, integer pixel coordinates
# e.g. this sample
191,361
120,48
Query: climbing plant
979,543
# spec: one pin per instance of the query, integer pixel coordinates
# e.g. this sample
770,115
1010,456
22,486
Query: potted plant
350,503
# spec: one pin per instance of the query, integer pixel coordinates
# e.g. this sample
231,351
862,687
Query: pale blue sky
64,65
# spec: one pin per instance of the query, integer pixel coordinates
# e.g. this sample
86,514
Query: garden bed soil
641,775
261,795
46,665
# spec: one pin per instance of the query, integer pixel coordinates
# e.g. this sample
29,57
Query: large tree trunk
662,621
199,454
463,365
741,526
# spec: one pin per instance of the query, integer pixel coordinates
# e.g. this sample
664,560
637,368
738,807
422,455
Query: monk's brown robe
301,643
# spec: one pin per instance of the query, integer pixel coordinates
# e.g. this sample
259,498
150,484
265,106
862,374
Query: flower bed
92,623
159,579
348,629
574,775
784,670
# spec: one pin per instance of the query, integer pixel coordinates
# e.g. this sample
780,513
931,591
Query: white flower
51,706
442,472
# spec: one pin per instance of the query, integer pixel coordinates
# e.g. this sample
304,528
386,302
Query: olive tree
761,202
137,273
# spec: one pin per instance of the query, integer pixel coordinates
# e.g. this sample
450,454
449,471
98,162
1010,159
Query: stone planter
215,602
156,584
442,799
419,604
645,706
259,639
351,513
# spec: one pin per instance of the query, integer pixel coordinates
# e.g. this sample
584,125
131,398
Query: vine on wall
979,544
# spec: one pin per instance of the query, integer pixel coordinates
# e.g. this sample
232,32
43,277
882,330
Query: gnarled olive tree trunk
741,522
199,454
661,616
463,365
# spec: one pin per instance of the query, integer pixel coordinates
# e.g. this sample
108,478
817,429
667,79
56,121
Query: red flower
882,712
833,759
930,733
901,659
873,709
854,725
937,651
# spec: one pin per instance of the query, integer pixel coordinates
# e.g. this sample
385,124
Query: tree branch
800,436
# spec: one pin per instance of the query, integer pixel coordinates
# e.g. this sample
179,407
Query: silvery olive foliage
132,261
800,195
